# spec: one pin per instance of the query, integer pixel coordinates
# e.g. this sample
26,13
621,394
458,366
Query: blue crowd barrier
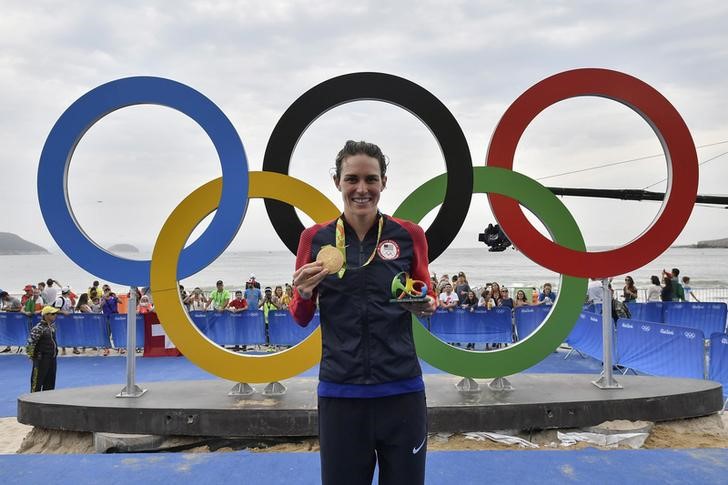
283,330
14,328
710,318
528,318
659,349
199,318
82,330
244,328
718,368
586,336
479,326
117,324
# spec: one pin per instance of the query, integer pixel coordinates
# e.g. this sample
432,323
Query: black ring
377,87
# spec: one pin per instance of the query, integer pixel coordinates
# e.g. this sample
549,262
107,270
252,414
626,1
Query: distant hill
123,248
13,244
713,243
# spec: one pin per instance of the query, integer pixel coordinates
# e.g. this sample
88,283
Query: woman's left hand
424,308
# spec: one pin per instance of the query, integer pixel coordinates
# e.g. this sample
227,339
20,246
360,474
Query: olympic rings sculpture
507,191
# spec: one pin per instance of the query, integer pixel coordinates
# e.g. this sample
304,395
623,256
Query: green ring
565,312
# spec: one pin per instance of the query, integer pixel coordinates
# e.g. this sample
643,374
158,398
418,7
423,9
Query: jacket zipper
365,323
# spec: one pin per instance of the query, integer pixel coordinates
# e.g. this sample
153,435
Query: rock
12,244
123,248
713,243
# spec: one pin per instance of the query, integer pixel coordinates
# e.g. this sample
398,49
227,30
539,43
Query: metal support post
606,380
131,389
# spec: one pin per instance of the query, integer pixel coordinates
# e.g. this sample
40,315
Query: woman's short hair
352,148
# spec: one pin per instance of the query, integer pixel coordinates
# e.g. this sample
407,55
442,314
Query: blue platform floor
96,371
454,467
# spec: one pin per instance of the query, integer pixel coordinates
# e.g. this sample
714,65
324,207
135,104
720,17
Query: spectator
505,300
495,292
197,301
278,296
94,291
110,306
254,282
486,300
183,296
28,294
678,293
252,294
666,294
520,299
238,304
64,302
629,292
220,297
287,297
9,303
654,291
594,292
42,349
145,305
50,293
96,305
448,299
83,305
470,301
34,304
267,305
687,289
461,287
547,296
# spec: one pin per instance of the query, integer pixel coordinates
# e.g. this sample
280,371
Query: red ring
676,141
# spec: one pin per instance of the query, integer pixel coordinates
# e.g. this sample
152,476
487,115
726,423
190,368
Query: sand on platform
12,434
704,432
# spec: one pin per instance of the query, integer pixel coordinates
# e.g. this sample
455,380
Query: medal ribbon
341,243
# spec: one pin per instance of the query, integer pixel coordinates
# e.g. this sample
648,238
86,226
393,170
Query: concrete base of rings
203,408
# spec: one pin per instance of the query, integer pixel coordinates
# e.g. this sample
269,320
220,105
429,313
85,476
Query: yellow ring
200,350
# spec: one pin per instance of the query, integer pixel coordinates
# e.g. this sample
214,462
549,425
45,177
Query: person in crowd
287,297
461,287
27,294
237,304
655,290
470,301
278,296
371,394
688,290
42,349
520,300
64,304
110,306
182,293
145,305
486,299
448,299
96,305
444,279
666,294
495,292
267,304
505,300
629,292
252,293
41,287
94,291
547,296
594,292
253,281
619,309
34,304
83,305
9,302
219,298
197,301
678,293
50,292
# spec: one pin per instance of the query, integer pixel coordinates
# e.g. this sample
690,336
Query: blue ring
90,108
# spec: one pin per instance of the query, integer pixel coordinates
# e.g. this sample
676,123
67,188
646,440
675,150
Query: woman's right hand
307,277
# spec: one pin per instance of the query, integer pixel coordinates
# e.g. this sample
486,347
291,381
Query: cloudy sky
253,59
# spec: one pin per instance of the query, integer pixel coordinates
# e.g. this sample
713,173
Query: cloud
255,58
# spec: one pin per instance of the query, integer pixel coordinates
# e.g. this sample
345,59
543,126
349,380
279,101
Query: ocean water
706,268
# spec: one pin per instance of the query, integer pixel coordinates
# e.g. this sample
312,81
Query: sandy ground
706,432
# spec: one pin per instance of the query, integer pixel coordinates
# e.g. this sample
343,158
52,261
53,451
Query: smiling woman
371,401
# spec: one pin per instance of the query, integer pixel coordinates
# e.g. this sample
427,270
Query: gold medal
331,257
